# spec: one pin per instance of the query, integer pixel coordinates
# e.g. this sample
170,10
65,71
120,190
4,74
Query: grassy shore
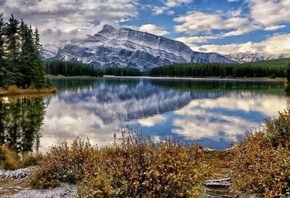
14,90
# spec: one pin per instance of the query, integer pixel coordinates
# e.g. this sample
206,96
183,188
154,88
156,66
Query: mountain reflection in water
213,112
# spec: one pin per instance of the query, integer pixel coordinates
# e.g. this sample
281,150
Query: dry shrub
278,129
8,158
11,160
30,159
261,162
134,166
63,163
13,89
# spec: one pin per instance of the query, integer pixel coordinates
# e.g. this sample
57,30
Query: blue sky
223,26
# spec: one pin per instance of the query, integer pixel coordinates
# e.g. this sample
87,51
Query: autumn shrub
134,166
8,158
13,89
11,160
30,159
261,162
63,163
278,129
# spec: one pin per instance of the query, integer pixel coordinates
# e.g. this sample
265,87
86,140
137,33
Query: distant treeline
272,69
123,72
66,68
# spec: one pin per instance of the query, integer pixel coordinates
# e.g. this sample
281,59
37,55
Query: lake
212,112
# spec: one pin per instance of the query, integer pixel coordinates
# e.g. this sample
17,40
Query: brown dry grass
14,90
220,163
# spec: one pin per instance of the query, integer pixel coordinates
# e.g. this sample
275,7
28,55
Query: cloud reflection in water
212,117
226,118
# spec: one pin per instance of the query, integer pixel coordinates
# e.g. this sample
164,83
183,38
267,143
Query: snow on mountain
49,51
254,57
130,48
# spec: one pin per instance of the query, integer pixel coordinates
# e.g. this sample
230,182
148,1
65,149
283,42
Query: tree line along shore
22,68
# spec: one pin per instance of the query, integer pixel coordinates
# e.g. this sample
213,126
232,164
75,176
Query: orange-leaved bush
63,163
134,166
261,162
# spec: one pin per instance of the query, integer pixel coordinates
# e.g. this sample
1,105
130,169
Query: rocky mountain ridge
254,57
126,47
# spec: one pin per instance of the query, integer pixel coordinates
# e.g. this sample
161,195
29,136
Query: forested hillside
20,61
272,69
66,68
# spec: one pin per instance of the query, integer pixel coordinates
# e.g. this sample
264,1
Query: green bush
261,162
134,166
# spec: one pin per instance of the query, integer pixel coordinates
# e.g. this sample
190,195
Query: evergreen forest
66,68
20,59
271,69
123,72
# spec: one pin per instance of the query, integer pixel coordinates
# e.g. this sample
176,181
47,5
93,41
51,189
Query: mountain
130,48
255,57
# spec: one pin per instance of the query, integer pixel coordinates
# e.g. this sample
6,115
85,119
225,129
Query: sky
222,26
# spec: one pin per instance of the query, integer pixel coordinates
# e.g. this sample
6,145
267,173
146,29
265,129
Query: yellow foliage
8,158
132,166
261,162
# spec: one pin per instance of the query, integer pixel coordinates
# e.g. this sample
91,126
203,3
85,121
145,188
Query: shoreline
15,91
214,78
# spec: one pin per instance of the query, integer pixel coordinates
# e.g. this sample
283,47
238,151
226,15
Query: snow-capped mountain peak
126,47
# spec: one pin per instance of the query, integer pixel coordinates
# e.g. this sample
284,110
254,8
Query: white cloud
170,12
168,6
203,23
159,10
269,12
234,13
277,44
274,27
153,29
195,22
176,3
152,121
70,19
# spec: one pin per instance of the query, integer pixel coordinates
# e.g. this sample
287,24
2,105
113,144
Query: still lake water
213,112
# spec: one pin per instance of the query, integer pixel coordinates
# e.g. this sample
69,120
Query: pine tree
26,54
13,76
2,63
38,64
